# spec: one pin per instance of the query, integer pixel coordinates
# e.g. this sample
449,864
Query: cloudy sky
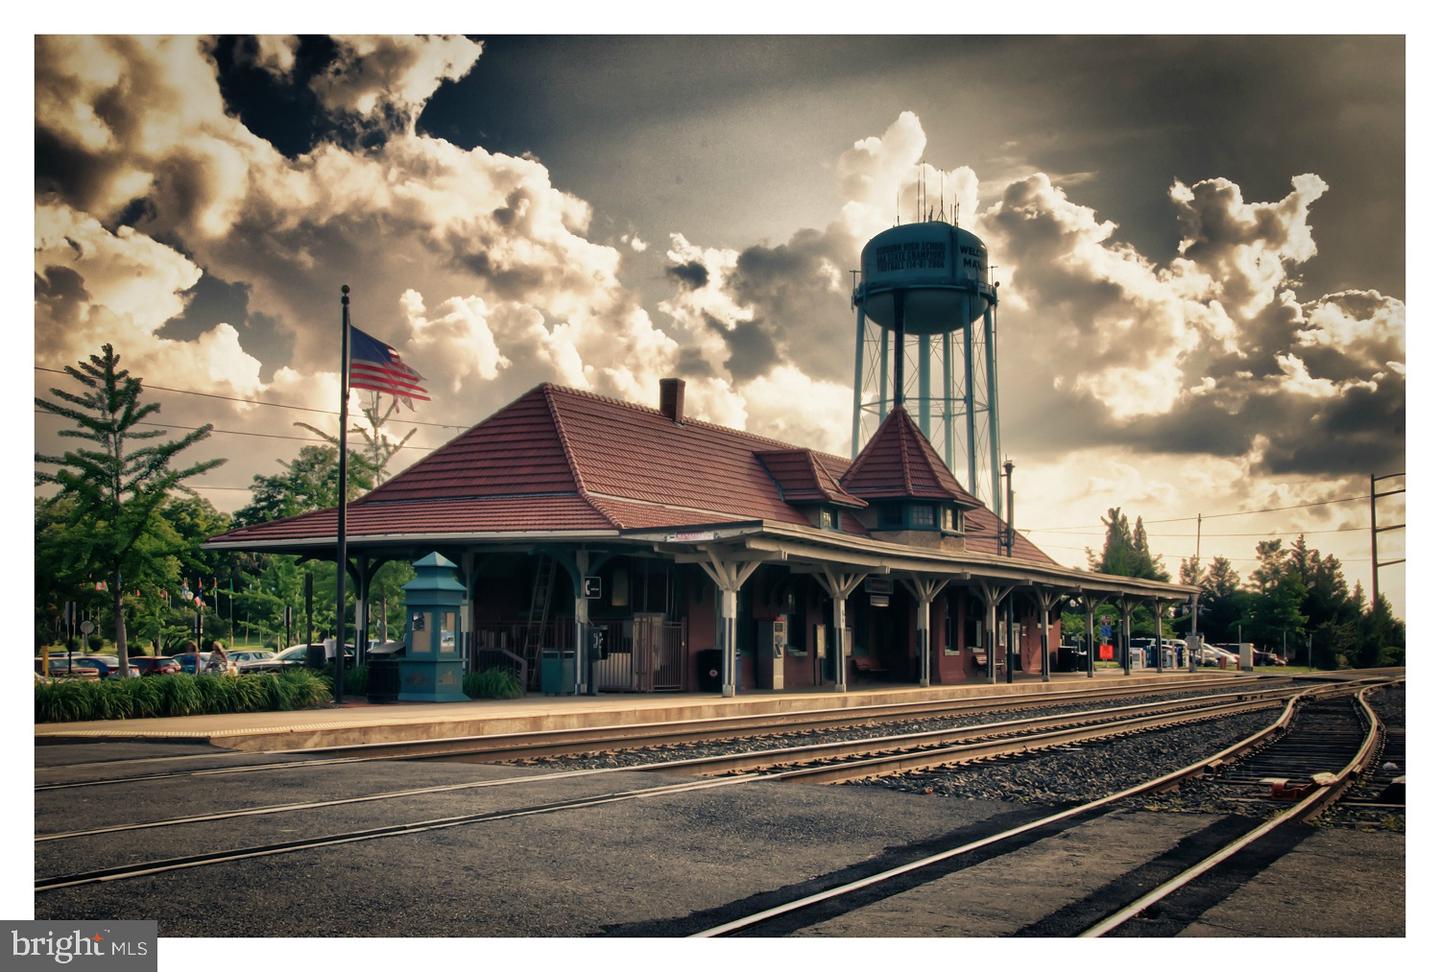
1200,244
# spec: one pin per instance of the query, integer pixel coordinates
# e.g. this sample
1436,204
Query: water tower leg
899,348
969,351
884,370
859,378
922,354
947,370
992,407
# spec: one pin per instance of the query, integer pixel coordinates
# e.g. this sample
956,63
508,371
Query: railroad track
824,762
1349,747
566,742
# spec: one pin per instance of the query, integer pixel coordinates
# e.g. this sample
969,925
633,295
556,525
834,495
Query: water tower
923,286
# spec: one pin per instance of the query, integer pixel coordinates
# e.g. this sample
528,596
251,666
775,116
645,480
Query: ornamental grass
493,683
73,700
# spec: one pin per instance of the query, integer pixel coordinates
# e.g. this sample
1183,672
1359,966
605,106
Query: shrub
217,693
356,679
64,700
307,688
146,698
493,683
111,699
249,693
67,700
179,695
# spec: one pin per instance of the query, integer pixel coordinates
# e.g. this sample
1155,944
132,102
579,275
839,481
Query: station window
829,518
922,516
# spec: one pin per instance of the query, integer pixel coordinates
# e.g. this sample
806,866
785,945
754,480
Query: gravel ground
1077,774
781,740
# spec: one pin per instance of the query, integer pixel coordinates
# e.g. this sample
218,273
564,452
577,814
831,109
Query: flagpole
340,558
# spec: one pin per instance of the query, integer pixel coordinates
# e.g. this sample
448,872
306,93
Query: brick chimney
672,399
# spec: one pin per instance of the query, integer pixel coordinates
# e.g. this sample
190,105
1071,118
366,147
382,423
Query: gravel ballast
1078,774
780,740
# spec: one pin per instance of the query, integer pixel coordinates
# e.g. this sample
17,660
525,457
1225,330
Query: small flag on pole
376,366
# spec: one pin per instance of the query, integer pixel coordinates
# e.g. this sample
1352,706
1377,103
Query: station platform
358,722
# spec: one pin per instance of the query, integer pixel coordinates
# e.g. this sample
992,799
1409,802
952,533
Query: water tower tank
940,269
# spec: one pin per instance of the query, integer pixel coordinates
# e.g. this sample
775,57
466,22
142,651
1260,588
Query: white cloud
389,79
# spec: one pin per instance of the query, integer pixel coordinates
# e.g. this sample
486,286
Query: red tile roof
900,463
802,479
557,459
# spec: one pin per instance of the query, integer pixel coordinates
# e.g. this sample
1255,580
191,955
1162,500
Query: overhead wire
261,401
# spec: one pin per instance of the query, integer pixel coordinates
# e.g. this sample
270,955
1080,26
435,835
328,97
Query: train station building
687,556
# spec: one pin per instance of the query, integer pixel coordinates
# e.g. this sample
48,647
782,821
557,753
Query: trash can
315,656
557,672
708,672
382,679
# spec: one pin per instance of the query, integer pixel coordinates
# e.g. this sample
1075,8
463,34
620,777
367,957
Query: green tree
379,448
1125,553
308,483
113,527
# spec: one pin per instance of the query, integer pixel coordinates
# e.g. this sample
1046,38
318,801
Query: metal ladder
539,616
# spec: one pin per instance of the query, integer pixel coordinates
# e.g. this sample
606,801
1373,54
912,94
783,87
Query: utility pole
1375,562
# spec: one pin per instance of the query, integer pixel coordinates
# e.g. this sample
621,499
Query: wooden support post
1045,598
925,589
1159,652
729,576
840,584
993,595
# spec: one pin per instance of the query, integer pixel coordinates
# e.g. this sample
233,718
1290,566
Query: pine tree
115,490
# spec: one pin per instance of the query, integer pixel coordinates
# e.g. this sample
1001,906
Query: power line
257,435
1215,516
261,401
1268,533
1061,546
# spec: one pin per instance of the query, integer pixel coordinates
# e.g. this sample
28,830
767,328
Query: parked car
244,655
60,668
1211,655
1268,658
191,661
289,658
152,665
107,665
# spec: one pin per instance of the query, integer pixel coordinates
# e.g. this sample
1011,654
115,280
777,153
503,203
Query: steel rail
760,759
126,871
549,742
1071,814
889,764
1308,807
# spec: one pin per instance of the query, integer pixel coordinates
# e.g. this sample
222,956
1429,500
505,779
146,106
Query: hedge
74,700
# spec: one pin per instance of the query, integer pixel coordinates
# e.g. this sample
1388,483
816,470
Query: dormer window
829,518
922,516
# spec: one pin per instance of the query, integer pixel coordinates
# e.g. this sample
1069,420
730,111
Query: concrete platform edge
321,728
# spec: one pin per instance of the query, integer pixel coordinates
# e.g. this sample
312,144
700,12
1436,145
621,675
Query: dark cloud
692,274
792,288
752,350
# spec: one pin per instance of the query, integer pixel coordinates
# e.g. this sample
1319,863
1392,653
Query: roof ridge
547,390
905,437
715,426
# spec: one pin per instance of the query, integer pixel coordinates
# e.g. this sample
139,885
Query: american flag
376,366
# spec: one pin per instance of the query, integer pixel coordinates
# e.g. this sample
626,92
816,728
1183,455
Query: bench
866,665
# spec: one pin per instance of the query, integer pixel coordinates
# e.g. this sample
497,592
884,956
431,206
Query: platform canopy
562,466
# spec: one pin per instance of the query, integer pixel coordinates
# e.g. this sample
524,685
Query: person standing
218,663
